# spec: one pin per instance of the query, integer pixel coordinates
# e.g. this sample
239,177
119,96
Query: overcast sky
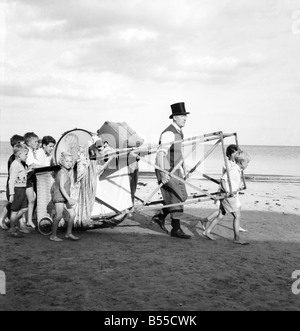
79,63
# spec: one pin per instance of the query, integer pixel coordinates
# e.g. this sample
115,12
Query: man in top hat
169,156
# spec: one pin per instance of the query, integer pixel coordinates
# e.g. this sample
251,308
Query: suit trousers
173,192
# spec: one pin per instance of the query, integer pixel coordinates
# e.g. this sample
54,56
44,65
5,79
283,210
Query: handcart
104,197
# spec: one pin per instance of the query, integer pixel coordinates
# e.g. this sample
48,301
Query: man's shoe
180,234
160,220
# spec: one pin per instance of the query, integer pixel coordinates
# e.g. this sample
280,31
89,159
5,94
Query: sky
78,63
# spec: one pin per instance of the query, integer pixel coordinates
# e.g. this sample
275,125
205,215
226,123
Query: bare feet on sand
240,242
55,238
209,236
31,224
203,222
71,237
24,230
3,225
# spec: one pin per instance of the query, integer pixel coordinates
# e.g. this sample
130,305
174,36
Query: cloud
124,54
154,57
85,49
83,19
63,84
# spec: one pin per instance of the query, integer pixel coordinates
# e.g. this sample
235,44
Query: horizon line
254,145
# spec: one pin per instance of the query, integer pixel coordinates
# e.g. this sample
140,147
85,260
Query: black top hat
178,109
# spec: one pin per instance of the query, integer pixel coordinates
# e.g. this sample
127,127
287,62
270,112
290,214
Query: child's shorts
20,199
31,182
57,197
230,205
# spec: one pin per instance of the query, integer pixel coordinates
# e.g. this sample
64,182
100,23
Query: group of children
29,153
21,188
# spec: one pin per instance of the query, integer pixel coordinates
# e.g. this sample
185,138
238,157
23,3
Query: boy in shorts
32,142
232,204
17,189
14,140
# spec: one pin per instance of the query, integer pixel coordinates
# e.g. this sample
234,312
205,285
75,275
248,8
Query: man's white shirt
167,138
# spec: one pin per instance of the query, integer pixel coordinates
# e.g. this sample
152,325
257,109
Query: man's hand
165,178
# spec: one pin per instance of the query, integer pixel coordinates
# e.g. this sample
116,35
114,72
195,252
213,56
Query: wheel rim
45,226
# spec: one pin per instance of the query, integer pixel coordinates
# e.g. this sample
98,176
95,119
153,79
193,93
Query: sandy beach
137,267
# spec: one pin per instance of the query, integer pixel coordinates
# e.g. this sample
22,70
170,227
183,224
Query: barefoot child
17,189
14,140
231,205
61,197
230,152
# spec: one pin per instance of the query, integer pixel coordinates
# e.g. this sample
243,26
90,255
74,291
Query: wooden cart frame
142,153
219,140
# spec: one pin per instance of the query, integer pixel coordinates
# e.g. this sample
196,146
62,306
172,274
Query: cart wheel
45,226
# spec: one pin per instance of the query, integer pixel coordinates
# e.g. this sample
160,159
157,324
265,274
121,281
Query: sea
268,161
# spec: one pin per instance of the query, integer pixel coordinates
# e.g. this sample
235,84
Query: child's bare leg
59,207
242,229
22,224
207,232
3,217
31,201
205,221
13,221
3,213
69,234
236,228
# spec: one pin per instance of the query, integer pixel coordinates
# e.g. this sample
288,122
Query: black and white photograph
149,157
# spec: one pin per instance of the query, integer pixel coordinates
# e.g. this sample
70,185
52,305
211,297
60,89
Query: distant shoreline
243,145
249,177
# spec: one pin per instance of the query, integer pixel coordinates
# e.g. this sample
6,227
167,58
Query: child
61,197
44,154
17,189
32,141
14,140
231,205
230,152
